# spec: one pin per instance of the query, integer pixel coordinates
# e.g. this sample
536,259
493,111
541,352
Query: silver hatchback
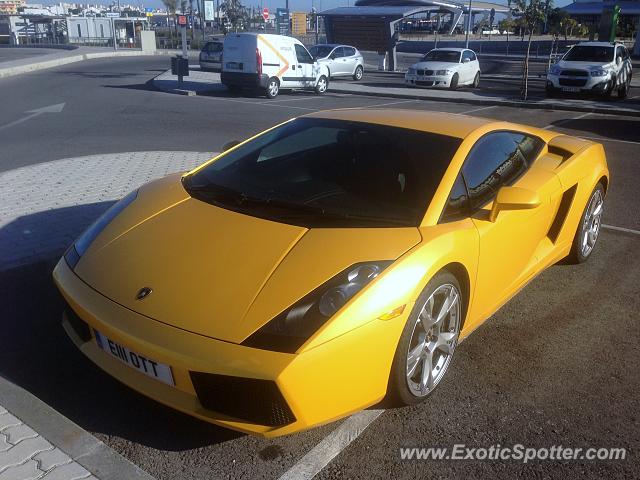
342,60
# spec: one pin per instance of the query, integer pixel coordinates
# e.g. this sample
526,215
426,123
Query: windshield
584,53
450,56
320,51
329,173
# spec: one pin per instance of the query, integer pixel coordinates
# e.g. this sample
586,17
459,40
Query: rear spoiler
566,147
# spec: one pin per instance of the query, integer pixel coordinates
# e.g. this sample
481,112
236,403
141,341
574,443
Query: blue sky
294,5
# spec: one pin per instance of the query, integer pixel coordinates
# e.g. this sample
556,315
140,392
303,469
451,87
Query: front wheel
322,85
357,75
273,88
427,343
476,80
454,82
589,227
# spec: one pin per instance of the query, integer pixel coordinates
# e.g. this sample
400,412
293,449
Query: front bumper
561,83
434,81
320,385
210,64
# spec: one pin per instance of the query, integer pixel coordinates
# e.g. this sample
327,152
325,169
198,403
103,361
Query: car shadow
36,354
617,128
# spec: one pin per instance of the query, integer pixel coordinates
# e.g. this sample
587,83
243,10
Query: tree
506,25
531,15
234,12
171,6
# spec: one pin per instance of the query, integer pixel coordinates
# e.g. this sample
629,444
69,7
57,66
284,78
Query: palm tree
171,6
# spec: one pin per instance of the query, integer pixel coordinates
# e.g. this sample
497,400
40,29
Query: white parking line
320,456
620,229
566,120
478,109
386,104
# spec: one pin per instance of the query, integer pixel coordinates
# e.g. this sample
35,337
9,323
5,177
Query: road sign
282,21
149,9
182,20
208,11
265,14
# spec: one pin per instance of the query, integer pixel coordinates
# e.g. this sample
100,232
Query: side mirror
514,198
466,60
230,145
618,60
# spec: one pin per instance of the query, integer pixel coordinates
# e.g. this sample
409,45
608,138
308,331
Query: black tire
454,82
476,81
357,75
398,391
623,90
234,88
273,88
322,85
577,253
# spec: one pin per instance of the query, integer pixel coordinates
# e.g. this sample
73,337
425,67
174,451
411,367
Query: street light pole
466,38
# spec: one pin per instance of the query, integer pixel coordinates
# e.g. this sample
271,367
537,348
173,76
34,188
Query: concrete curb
57,62
61,432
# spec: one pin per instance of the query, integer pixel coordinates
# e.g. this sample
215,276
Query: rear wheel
273,88
454,82
427,343
357,75
589,227
476,80
322,85
623,91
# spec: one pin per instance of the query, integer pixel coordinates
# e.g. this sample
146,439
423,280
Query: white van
270,62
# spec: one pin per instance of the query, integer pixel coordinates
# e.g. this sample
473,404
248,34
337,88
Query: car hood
216,272
584,65
436,65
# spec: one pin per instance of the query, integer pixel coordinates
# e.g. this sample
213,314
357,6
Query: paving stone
69,471
51,458
17,433
26,471
23,451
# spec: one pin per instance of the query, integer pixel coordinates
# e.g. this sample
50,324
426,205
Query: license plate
570,89
138,362
233,65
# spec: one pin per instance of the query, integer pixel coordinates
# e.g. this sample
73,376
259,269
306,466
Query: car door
304,66
337,66
467,68
350,60
510,245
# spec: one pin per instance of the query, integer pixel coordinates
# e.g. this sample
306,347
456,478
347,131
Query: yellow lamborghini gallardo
326,263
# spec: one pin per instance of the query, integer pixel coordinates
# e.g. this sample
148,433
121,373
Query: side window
466,55
302,54
349,51
338,53
457,206
472,56
497,159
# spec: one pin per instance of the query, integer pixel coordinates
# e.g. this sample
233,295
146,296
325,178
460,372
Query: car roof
450,49
332,45
450,124
597,44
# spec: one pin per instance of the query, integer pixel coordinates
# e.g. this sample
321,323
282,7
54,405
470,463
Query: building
589,12
10,7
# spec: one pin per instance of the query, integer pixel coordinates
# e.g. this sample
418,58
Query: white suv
592,67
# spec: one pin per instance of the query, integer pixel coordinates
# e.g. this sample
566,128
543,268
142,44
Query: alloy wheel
433,340
591,223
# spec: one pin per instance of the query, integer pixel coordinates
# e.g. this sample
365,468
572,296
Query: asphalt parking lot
558,365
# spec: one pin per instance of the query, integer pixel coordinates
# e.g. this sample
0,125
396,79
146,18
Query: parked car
592,67
327,263
445,68
341,60
211,56
493,31
270,63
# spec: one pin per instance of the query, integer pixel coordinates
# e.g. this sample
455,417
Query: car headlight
555,70
81,245
443,72
291,328
599,72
